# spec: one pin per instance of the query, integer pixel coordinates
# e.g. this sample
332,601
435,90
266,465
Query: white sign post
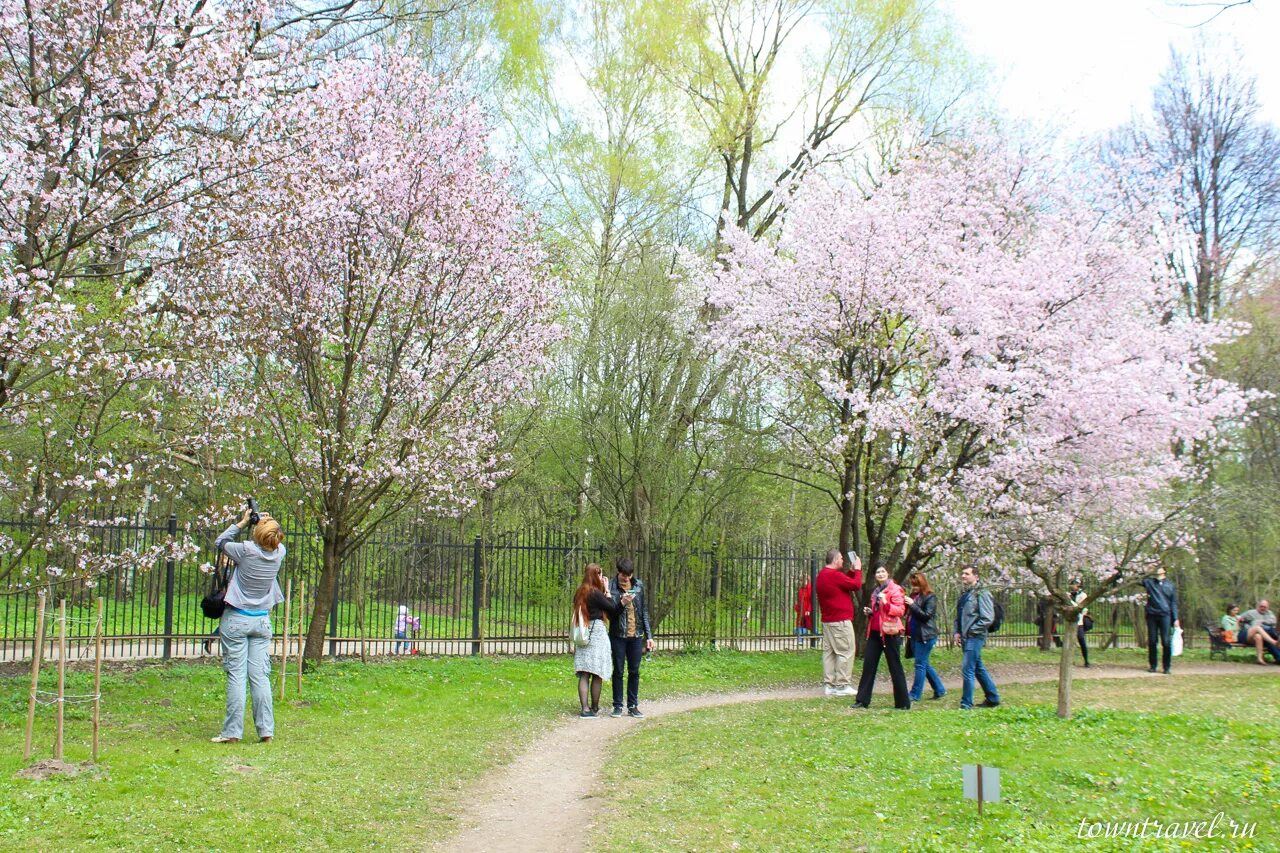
981,784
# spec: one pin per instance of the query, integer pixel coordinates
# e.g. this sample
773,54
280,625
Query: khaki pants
837,654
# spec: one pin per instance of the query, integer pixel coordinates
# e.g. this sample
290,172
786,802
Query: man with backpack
976,615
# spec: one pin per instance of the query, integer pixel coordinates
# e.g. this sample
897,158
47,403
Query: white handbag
579,634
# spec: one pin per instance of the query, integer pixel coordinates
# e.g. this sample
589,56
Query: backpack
999,620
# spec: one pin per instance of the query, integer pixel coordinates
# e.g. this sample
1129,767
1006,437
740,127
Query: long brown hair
592,579
921,584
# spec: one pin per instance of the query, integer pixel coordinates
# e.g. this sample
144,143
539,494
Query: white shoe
847,690
829,690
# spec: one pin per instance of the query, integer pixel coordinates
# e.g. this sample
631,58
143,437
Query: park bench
1219,647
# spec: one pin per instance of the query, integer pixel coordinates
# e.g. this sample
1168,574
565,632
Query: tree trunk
1139,625
1066,669
325,588
1048,615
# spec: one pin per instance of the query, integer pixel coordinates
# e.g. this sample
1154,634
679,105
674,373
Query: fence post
333,616
813,599
477,556
715,593
168,588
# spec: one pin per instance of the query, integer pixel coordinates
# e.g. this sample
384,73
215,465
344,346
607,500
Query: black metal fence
508,594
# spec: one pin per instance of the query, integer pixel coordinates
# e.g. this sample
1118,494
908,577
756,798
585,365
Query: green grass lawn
372,752
390,750
814,775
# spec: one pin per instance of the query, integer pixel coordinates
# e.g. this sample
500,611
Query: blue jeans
920,651
970,668
246,652
400,635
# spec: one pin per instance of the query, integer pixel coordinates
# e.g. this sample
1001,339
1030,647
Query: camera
253,512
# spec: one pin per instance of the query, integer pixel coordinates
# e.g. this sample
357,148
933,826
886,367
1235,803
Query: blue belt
250,612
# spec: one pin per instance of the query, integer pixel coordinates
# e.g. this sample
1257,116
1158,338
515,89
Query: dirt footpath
547,799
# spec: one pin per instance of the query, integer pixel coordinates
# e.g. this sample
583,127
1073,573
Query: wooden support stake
302,608
62,676
97,676
364,645
36,656
979,790
284,653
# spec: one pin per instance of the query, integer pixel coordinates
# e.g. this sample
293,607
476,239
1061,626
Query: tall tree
1207,140
394,301
954,337
104,109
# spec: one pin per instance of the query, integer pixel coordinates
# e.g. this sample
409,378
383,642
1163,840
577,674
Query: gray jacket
253,585
974,612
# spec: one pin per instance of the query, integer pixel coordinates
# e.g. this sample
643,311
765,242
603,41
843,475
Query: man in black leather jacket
629,634
1162,617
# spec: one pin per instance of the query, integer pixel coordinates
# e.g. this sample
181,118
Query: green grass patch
371,752
814,775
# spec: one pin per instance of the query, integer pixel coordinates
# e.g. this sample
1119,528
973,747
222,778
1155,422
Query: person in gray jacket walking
975,611
1162,617
246,623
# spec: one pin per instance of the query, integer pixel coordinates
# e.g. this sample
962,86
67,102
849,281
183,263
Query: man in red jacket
835,587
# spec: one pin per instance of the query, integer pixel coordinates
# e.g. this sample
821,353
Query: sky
1088,65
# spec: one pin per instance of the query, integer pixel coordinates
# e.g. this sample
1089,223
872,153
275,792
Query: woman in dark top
923,607
592,606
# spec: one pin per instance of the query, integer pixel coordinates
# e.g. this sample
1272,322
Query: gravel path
547,799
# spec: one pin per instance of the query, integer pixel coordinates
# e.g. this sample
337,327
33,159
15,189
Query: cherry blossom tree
119,119
394,301
1092,484
109,122
965,344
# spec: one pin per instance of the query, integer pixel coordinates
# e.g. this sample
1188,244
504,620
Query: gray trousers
246,653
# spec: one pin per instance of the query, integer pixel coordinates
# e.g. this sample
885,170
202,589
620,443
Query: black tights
595,682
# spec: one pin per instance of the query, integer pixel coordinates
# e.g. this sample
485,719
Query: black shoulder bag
213,604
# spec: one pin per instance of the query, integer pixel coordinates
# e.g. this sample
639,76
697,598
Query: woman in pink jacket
885,631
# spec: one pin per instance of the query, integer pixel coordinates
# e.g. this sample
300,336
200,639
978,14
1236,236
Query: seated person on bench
1258,629
1231,624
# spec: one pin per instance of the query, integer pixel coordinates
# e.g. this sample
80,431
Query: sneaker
616,712
847,690
858,706
1151,669
829,690
221,739
937,696
987,703
635,712
587,715
1166,672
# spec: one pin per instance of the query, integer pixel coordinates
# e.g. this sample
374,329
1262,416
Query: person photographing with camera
245,633
630,635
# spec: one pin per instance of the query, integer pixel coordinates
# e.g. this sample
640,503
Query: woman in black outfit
592,606
923,607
